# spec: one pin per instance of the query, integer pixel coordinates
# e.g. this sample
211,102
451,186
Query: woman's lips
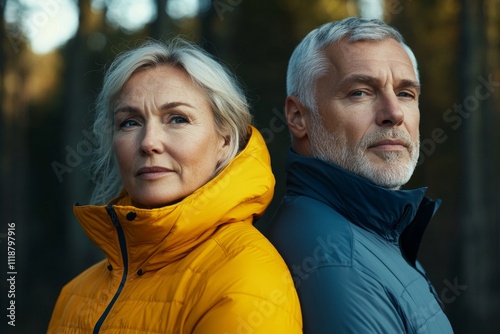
153,172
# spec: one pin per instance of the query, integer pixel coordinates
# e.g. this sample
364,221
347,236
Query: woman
182,255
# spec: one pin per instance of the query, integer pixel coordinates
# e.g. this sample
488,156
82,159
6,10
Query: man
348,234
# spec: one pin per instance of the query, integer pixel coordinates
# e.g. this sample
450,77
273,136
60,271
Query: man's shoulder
307,212
298,214
305,229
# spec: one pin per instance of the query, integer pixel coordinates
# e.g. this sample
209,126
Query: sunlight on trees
47,24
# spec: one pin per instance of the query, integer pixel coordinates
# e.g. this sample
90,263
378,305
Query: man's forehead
365,57
367,48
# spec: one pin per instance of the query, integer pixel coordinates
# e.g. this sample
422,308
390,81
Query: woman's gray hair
229,106
308,61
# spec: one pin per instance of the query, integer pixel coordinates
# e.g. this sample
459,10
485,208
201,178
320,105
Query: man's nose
389,112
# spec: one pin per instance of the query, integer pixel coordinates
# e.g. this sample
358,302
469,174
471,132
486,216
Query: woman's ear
224,147
227,140
295,114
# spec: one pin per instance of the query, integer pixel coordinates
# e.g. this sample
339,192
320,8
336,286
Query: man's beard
394,172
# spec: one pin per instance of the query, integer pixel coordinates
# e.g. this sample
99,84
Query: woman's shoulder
249,277
247,250
90,276
242,237
250,257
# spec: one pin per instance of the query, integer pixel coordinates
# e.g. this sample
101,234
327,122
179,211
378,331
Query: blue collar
396,215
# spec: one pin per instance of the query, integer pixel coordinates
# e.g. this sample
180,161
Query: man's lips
390,144
153,171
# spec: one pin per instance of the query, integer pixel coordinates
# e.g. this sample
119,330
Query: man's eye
358,93
405,94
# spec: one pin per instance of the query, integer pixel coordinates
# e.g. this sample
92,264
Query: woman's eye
128,123
178,119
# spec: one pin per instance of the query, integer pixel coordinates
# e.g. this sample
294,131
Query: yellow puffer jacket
197,266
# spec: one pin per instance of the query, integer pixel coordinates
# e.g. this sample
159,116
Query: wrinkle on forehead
385,61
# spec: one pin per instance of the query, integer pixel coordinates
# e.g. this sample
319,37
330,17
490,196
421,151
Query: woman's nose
152,139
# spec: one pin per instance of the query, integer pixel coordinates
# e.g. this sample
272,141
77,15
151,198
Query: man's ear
296,117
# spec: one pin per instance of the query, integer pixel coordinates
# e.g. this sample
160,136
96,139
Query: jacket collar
383,211
156,237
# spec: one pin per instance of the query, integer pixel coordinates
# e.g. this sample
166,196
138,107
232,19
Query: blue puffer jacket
351,247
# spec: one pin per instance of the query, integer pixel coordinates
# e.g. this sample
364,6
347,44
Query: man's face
367,112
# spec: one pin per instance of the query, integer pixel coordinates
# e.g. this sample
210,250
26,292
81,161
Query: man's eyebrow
410,84
369,80
358,78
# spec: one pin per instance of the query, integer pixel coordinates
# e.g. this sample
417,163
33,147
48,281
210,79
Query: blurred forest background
47,96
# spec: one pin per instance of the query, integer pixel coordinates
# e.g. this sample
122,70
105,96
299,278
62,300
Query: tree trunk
77,107
479,230
14,160
161,25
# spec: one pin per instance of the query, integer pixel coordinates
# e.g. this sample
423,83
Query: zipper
403,216
424,275
123,249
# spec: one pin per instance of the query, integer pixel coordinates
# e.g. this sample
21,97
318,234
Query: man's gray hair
308,61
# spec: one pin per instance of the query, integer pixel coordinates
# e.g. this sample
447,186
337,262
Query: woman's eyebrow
126,109
172,105
166,106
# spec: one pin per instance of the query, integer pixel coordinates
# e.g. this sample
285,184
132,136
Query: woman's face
164,137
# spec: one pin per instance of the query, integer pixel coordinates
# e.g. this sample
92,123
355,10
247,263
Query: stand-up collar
156,237
383,211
